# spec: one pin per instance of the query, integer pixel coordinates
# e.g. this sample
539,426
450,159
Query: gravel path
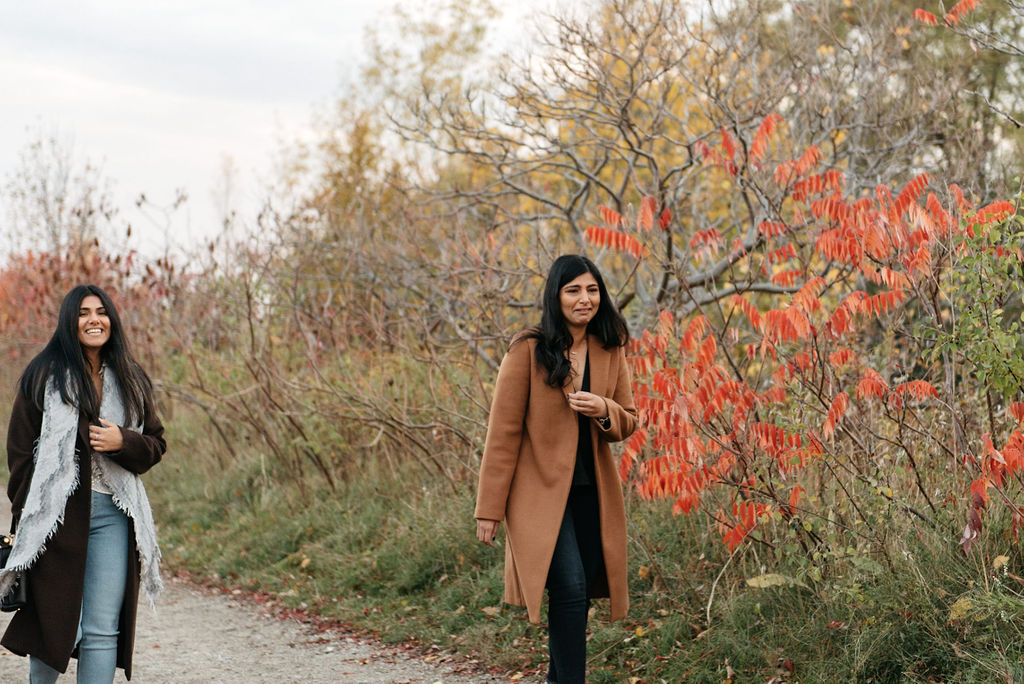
199,637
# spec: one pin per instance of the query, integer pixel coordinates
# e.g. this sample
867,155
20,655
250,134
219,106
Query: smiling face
93,324
580,298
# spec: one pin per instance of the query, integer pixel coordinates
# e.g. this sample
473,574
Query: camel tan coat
528,463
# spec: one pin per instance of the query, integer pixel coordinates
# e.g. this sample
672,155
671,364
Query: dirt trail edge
198,637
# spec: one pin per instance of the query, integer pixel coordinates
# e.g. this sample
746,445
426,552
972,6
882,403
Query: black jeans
576,560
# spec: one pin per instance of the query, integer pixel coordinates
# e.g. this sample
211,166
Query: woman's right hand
487,531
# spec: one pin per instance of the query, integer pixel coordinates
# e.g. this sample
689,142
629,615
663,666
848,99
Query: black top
583,472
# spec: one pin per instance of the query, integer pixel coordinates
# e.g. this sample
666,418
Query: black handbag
17,597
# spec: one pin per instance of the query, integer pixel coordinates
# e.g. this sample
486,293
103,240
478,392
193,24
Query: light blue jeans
106,573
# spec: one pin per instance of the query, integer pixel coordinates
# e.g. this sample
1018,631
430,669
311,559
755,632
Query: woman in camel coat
85,537
562,395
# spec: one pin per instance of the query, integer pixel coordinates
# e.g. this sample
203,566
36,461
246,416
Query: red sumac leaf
728,144
764,132
645,218
835,413
788,278
871,385
959,11
841,357
611,217
665,219
613,239
919,389
770,229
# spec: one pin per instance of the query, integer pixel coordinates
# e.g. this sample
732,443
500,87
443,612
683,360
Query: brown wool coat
47,626
527,470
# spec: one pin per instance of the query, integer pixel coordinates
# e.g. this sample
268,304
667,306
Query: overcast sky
158,92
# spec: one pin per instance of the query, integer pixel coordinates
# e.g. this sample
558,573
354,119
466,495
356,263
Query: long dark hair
63,359
553,336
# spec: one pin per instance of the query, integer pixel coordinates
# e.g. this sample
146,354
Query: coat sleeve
141,451
22,433
621,410
505,428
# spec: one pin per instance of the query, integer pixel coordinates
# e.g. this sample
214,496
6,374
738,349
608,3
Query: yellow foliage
960,609
772,579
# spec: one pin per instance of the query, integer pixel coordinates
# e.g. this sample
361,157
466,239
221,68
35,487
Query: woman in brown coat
562,395
82,430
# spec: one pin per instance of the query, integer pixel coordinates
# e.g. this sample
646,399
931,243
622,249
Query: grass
395,553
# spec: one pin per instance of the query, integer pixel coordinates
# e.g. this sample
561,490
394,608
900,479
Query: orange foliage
841,357
910,193
32,286
883,302
987,215
794,498
715,157
787,251
723,409
746,514
611,217
836,413
919,389
871,385
807,296
812,185
665,219
740,302
645,219
770,229
842,245
785,325
614,239
698,327
960,10
728,144
886,276
788,278
764,132
710,239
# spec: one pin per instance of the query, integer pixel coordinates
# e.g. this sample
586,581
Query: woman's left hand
105,437
588,404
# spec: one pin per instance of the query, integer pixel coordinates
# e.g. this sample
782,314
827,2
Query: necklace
97,380
577,366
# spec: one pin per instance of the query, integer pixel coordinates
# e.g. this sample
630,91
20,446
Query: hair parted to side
552,334
63,359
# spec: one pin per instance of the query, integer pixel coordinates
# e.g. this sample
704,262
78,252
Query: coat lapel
83,429
599,359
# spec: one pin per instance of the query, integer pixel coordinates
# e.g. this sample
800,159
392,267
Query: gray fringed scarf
55,478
